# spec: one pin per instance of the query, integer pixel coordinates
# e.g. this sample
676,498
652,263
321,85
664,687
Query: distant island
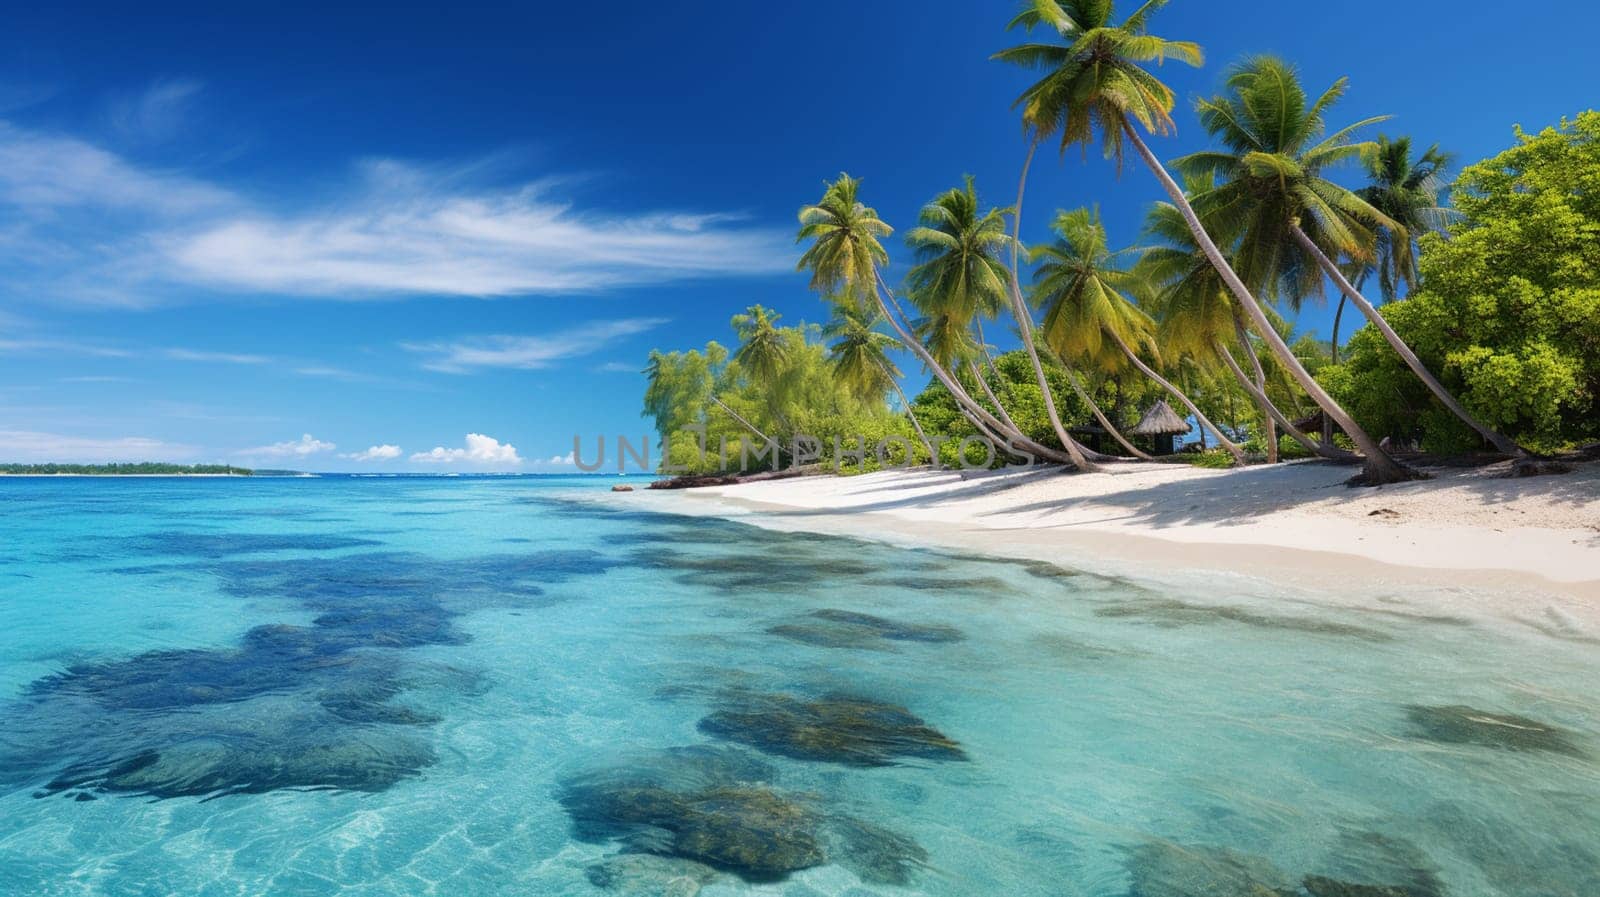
143,469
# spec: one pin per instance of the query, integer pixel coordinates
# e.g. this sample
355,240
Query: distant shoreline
131,476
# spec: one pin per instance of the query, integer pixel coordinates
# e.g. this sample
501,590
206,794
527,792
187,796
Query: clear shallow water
478,686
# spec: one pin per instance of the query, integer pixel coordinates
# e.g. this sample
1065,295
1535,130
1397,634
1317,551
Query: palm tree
1085,289
1094,87
844,259
1293,221
762,350
959,274
1407,192
1200,318
860,356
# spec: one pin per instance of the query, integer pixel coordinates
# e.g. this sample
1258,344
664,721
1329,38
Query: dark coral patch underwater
719,807
303,707
831,628
836,729
1460,724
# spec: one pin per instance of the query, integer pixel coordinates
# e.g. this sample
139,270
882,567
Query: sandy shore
1529,546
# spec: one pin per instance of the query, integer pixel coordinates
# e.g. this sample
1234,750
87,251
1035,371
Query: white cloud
44,171
619,367
414,232
61,347
375,453
91,226
528,352
28,446
306,445
555,464
480,450
214,357
156,113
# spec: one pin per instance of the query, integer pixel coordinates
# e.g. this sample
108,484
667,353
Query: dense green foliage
798,390
146,468
1508,309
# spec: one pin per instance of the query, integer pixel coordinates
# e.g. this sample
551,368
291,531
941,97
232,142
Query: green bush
1508,312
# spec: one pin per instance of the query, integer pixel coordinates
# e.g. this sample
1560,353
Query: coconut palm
762,351
1094,87
1293,221
1407,191
1088,292
959,274
1200,319
844,259
860,355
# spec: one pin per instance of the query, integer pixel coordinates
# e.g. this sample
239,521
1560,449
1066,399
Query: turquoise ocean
517,686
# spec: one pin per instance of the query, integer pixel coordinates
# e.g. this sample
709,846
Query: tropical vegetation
1479,301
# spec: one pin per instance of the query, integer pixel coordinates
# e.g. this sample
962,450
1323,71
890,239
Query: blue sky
283,237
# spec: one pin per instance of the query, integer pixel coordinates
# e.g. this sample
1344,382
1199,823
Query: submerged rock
370,762
1371,864
710,806
849,629
1170,612
1319,886
1460,724
876,855
835,729
750,830
1162,869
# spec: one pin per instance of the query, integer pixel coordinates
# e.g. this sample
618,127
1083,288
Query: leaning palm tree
1407,191
1294,221
1088,292
1094,87
844,259
958,276
860,355
1199,318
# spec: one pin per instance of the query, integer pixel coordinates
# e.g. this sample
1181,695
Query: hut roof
1160,420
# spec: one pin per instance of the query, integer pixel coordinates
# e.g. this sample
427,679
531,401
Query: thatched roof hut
1161,424
1160,420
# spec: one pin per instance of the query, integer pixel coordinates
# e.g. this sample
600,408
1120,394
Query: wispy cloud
62,347
33,446
619,367
299,448
159,112
375,453
480,451
40,172
89,225
528,352
202,355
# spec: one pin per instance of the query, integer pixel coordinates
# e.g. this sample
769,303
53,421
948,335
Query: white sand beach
1530,544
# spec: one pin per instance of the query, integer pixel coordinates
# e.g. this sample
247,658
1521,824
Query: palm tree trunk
1259,394
911,413
1269,424
1205,422
1495,438
1019,310
1094,408
1380,468
983,383
747,425
1333,344
1071,456
994,372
